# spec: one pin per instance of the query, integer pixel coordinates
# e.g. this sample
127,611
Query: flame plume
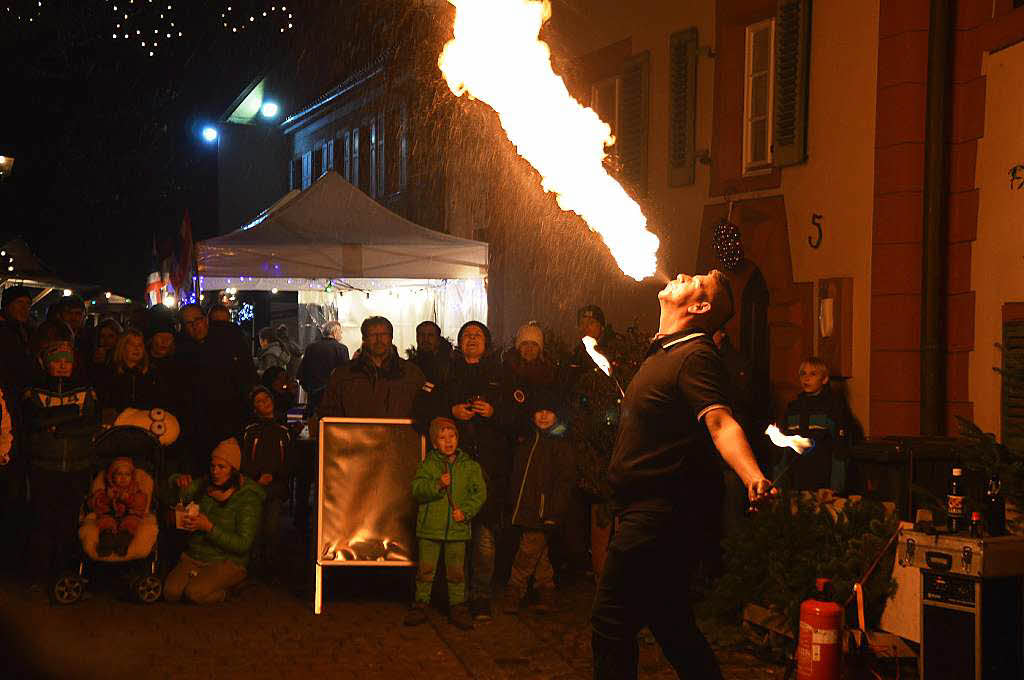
497,57
795,442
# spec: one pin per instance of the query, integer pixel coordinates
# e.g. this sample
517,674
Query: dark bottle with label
955,502
995,508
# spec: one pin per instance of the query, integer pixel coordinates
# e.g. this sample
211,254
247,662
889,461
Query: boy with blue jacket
449,487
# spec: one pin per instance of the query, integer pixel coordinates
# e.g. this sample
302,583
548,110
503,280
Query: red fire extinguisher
819,649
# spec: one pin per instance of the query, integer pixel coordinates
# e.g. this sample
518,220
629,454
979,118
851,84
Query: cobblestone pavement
270,632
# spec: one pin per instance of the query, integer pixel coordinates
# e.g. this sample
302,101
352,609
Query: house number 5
816,221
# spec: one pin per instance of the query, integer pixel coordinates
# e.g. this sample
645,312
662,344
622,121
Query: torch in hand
601,360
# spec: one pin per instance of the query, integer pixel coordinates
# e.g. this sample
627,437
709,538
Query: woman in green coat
223,530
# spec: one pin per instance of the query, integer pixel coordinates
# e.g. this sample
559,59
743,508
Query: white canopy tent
343,251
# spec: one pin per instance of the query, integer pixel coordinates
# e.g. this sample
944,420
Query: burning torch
601,360
799,444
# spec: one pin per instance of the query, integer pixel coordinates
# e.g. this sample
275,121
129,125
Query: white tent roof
334,230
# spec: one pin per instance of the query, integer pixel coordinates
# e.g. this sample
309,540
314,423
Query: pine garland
774,559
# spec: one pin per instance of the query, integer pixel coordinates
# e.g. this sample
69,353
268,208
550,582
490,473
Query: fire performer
667,485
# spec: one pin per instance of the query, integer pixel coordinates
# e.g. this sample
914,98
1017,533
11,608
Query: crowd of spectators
63,381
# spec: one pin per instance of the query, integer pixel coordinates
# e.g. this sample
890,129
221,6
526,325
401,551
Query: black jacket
360,389
319,361
132,389
543,476
521,379
219,373
435,365
267,449
61,418
17,370
485,439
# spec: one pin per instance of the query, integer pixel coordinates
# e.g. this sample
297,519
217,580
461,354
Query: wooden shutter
792,80
307,169
355,156
373,157
682,115
346,155
633,117
1013,384
295,173
382,153
319,153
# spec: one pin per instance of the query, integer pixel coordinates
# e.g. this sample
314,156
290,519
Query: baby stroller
141,436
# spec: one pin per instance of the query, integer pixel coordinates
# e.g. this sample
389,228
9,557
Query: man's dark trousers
646,582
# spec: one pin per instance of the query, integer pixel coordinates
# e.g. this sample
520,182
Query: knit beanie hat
482,327
543,399
229,451
158,324
530,332
58,351
13,293
438,424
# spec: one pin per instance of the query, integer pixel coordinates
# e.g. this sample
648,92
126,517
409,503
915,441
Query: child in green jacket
449,486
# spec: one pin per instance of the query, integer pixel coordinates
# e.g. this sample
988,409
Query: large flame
496,57
795,442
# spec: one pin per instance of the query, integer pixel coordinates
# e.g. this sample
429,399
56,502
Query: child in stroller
120,504
118,525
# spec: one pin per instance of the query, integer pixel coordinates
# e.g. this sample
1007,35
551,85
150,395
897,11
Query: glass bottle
995,508
955,502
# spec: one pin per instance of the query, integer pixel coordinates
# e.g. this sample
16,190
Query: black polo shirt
664,457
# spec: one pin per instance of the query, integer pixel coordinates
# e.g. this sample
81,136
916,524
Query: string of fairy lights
139,21
239,17
152,25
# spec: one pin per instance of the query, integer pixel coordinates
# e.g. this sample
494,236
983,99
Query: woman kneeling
222,531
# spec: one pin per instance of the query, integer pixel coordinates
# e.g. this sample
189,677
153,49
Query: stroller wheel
68,589
147,589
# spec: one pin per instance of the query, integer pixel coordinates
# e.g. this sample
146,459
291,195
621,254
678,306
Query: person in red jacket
119,506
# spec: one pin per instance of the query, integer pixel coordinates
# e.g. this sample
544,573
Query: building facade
867,151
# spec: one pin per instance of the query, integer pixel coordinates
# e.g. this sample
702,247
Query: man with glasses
219,373
376,384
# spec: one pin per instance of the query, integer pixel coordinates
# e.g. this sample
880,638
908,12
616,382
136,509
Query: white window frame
595,90
751,168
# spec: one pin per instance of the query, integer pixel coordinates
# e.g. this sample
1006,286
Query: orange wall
997,266
837,181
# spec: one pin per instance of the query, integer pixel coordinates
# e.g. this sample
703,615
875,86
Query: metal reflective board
365,511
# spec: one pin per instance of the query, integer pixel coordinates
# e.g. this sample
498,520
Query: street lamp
6,166
270,109
210,134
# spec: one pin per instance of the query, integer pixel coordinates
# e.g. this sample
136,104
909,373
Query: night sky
106,137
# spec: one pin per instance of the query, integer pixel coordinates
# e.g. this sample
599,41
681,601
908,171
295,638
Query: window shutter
792,76
329,155
307,169
373,158
682,107
346,155
355,156
382,140
633,117
318,162
1013,388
